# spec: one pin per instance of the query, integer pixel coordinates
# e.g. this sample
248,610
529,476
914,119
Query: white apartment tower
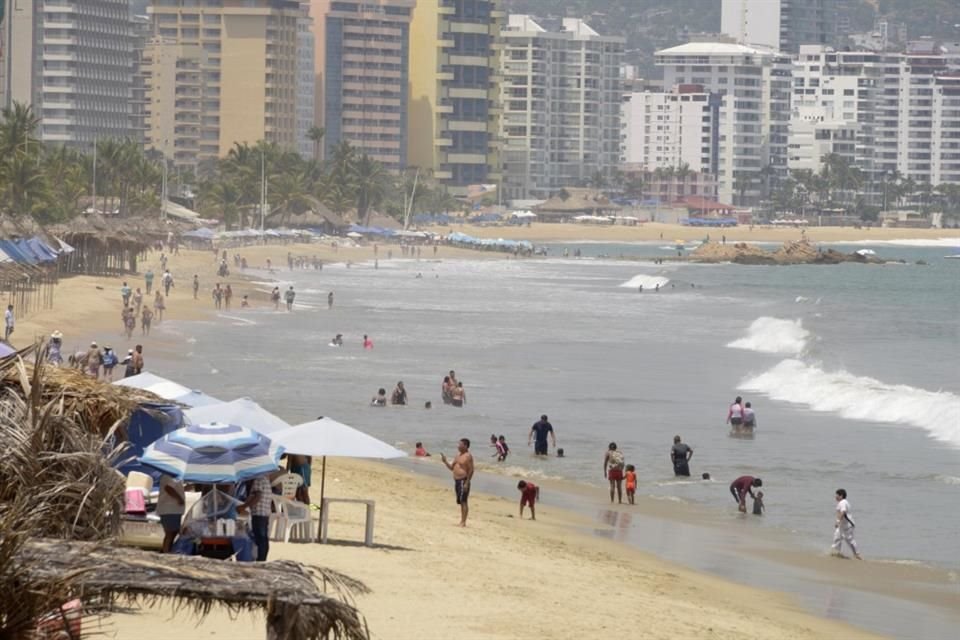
902,111
753,85
73,61
782,25
561,95
672,129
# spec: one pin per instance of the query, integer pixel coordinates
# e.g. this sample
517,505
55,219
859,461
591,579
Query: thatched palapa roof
288,592
574,201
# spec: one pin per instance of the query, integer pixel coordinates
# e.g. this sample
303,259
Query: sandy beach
653,231
501,577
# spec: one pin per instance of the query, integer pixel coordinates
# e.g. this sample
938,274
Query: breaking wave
774,335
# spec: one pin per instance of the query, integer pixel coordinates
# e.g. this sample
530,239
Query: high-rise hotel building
73,61
362,66
225,72
561,93
454,111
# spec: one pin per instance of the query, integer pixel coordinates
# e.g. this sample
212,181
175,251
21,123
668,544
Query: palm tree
742,182
224,197
18,126
24,182
288,193
370,182
315,134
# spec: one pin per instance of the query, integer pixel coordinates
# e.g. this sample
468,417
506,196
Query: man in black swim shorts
539,432
462,469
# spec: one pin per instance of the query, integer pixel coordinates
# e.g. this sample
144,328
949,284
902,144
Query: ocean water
853,371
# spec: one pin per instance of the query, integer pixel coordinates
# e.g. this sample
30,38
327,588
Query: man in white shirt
843,529
170,507
8,323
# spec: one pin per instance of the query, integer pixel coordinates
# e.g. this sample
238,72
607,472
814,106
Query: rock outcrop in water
800,252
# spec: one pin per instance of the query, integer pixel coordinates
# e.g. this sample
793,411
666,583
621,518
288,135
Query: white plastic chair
288,483
299,522
278,521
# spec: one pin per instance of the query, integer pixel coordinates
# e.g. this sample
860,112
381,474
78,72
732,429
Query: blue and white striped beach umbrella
213,453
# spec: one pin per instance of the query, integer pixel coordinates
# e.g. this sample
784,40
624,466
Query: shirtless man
462,469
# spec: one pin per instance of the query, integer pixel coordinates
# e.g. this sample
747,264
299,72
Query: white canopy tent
326,437
168,389
242,412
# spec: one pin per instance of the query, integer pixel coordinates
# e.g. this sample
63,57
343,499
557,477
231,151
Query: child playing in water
504,449
631,478
758,504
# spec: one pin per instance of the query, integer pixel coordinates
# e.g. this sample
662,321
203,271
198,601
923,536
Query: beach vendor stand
214,454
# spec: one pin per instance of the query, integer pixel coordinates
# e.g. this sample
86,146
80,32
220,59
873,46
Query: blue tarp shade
16,253
149,423
41,249
709,222
203,234
370,231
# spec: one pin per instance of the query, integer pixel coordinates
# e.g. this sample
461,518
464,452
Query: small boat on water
955,256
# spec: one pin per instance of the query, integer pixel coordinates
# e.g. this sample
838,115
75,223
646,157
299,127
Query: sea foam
774,335
861,398
648,282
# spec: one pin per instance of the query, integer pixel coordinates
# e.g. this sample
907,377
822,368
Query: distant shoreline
669,233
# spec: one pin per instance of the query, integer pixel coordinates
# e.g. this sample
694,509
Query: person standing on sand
196,286
462,469
330,300
227,297
148,280
146,320
92,359
125,295
170,507
275,298
680,455
138,359
741,488
159,306
129,322
613,471
8,322
539,431
529,494
138,300
259,504
844,526
217,295
167,282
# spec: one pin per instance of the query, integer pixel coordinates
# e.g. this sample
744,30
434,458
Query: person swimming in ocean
379,400
337,340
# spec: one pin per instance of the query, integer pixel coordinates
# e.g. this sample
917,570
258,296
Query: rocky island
798,252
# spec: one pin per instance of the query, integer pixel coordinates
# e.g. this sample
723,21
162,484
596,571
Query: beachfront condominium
454,97
362,65
73,61
672,129
888,114
306,81
225,72
753,85
782,25
561,93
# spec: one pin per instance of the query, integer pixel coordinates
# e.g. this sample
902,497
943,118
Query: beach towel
135,504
